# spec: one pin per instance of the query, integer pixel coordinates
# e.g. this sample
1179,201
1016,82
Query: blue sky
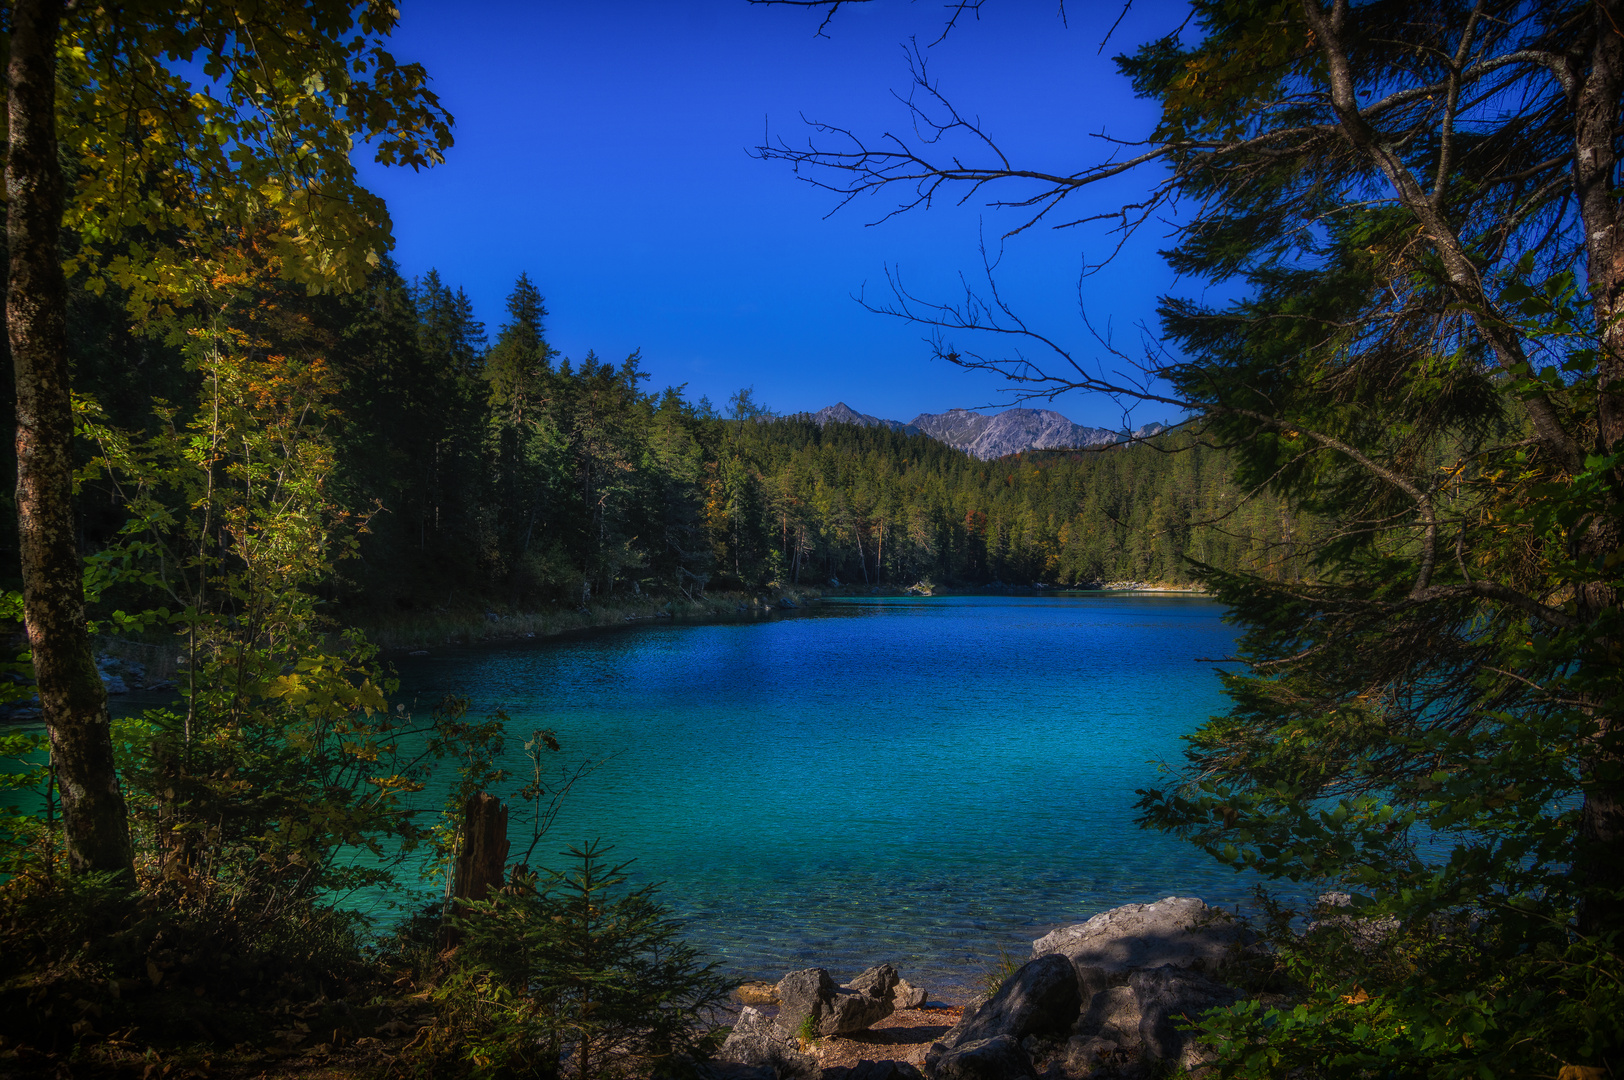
602,148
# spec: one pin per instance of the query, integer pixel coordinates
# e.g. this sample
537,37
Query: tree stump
482,861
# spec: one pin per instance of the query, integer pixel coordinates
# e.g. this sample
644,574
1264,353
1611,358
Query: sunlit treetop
186,126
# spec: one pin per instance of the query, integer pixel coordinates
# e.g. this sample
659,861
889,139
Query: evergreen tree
523,440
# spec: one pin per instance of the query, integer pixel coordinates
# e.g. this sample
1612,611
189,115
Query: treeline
488,469
511,474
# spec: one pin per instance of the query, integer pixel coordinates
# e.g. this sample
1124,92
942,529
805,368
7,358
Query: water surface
925,781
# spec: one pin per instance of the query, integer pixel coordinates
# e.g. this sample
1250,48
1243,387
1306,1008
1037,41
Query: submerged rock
756,992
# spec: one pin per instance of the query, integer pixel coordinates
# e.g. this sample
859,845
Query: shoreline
420,633
466,628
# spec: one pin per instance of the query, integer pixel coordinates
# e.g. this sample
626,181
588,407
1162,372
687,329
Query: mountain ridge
985,436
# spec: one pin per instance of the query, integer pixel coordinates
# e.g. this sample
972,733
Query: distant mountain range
987,437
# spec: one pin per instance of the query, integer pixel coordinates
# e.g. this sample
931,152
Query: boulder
757,1041
114,684
999,1058
876,982
873,1070
834,1010
809,992
1112,1014
1169,997
1335,914
907,996
1041,998
1085,1053
853,1012
1178,931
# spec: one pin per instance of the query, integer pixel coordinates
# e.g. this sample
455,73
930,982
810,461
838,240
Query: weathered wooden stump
482,860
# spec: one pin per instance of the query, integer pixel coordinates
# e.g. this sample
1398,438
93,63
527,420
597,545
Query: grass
995,978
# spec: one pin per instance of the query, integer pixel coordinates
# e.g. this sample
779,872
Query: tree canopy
201,143
1418,210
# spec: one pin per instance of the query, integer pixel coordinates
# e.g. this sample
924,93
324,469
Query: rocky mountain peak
993,435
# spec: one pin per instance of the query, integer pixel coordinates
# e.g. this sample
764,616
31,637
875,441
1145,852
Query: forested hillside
487,469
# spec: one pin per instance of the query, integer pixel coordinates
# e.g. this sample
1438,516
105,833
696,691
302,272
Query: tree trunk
483,860
1599,853
72,699
1600,857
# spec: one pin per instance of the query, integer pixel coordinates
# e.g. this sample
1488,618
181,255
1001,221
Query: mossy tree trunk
72,698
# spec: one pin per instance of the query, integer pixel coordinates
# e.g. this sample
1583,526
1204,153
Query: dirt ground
905,1035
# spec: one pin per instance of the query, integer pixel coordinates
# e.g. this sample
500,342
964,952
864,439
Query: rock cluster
1105,998
118,676
1100,995
810,1003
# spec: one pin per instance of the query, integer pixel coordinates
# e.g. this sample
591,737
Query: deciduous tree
187,127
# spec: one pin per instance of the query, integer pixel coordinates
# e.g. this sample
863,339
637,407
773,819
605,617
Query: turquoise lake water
924,781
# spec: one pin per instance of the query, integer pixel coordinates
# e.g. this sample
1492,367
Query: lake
926,781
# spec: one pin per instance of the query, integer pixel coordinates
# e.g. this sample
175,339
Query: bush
576,974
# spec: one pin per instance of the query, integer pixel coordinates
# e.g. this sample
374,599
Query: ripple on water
922,781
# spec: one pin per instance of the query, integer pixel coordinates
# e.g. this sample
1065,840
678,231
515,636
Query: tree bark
1457,262
482,862
1599,861
74,703
1599,853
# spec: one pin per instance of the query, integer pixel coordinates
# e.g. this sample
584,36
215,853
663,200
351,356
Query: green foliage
1380,997
1431,718
999,973
283,757
807,1033
27,796
498,477
576,972
586,488
184,131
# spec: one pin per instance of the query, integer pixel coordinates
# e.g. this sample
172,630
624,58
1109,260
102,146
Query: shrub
575,972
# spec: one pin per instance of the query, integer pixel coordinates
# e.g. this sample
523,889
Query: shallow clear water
924,781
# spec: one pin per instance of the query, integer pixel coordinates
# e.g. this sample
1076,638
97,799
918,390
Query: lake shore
413,631
426,630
